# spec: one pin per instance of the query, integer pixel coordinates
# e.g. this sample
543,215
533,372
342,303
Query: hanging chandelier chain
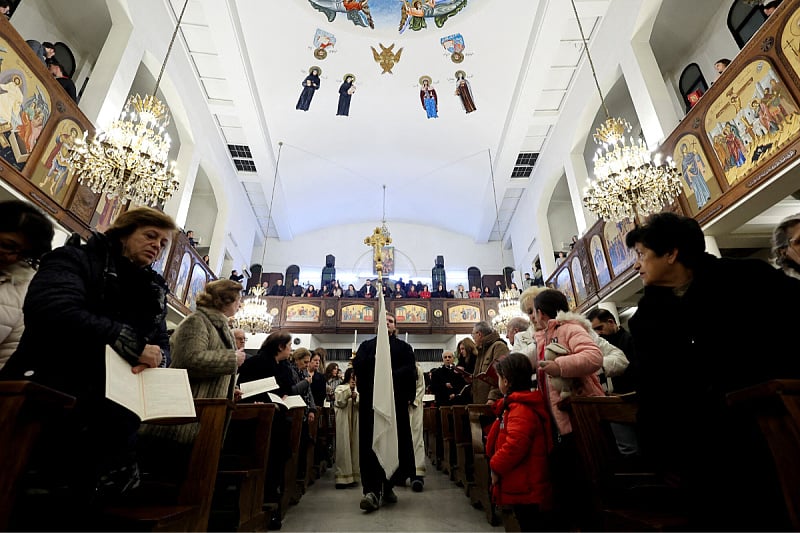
169,48
497,216
384,204
589,57
269,211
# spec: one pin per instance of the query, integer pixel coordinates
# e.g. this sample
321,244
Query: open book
428,397
251,388
290,402
150,394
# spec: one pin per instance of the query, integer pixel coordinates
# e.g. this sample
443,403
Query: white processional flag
384,429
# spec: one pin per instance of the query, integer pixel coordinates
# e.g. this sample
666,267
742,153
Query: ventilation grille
524,165
242,157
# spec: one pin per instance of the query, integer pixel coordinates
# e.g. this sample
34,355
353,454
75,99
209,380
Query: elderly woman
270,361
25,235
786,245
84,298
204,345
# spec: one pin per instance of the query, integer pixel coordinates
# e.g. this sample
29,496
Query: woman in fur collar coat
555,324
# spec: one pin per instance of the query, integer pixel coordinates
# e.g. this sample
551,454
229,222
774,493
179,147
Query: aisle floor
442,506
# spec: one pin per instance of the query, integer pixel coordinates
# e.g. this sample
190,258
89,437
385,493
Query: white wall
416,248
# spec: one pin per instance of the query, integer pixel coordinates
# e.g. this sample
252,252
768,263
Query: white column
610,307
187,165
113,73
712,247
649,93
577,178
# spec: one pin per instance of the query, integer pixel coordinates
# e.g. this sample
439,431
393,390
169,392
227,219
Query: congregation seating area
625,494
220,485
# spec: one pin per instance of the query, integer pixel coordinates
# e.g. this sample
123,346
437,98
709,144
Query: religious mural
403,14
302,313
387,259
753,118
563,283
599,261
699,184
199,280
183,276
52,174
108,209
459,314
161,261
24,108
790,41
411,314
621,256
580,284
323,43
455,45
358,313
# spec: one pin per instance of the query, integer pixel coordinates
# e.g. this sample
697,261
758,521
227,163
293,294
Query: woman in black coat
346,90
83,299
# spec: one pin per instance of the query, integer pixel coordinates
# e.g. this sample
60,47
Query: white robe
346,409
415,415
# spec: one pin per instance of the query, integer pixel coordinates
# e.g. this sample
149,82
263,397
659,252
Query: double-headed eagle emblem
386,58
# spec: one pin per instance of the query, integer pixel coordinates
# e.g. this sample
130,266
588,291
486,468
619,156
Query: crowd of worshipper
61,308
396,290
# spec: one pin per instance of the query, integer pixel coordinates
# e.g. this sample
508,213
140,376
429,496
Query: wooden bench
463,439
239,493
479,416
25,409
190,504
623,498
775,405
306,478
289,493
449,463
429,433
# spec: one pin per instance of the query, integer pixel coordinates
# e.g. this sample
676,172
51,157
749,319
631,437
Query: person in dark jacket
605,325
690,357
278,289
375,486
271,360
446,383
84,298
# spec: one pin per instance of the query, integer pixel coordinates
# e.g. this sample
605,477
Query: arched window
292,273
474,277
743,21
692,85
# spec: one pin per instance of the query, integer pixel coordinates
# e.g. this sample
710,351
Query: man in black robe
376,488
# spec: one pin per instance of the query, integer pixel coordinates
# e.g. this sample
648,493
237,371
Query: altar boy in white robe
415,414
346,409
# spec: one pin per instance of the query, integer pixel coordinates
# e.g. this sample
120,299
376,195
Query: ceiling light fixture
628,183
130,159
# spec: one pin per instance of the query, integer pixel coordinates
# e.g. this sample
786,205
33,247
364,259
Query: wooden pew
191,503
623,499
25,408
306,478
775,405
463,439
479,416
242,470
449,463
429,432
321,462
289,494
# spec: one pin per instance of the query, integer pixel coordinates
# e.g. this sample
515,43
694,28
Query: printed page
277,399
122,385
294,401
167,394
428,398
258,386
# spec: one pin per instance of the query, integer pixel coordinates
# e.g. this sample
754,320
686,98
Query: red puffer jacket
517,446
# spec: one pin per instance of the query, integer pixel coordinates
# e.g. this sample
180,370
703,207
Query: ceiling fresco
391,16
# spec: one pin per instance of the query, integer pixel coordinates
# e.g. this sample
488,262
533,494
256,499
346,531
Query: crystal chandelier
253,315
628,182
130,159
506,310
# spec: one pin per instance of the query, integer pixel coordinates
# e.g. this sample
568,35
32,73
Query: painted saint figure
464,92
346,90
427,95
692,167
310,85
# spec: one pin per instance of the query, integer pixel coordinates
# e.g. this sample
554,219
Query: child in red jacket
518,445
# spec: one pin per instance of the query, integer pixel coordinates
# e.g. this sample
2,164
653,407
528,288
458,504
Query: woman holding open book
83,298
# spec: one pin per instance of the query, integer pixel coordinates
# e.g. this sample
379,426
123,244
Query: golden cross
378,240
